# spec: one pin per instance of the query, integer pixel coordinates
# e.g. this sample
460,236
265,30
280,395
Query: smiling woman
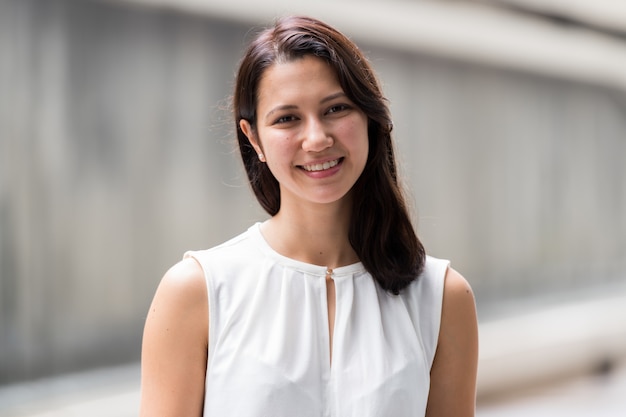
331,306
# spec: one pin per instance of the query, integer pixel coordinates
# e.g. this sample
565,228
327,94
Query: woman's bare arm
453,374
175,340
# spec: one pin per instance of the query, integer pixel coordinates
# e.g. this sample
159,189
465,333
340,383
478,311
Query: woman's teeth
321,167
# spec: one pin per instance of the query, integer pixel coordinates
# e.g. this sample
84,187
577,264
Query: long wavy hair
381,231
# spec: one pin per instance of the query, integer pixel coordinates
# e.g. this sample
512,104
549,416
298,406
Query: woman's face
313,138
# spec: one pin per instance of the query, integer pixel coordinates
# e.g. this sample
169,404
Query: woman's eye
284,119
337,108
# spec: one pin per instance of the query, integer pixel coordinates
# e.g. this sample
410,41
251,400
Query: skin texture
303,119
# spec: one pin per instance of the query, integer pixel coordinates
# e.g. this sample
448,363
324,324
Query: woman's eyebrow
280,108
333,96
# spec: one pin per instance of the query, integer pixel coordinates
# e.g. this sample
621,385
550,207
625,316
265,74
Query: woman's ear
247,130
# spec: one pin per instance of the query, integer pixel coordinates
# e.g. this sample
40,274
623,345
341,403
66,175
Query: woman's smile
321,166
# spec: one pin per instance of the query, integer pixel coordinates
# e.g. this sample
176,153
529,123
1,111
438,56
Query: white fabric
269,353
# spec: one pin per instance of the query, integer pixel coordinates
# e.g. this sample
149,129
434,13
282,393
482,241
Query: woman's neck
312,234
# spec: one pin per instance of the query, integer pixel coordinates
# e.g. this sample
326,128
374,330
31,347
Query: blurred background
117,154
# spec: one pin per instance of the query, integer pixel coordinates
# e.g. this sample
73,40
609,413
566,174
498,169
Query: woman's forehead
296,77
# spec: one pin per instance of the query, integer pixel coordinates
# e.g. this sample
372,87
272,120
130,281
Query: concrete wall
115,158
117,155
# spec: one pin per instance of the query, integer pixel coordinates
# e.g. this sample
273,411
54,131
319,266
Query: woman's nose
316,137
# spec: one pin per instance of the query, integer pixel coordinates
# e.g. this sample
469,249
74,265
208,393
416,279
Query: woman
330,307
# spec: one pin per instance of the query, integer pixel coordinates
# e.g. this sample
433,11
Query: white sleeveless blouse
269,350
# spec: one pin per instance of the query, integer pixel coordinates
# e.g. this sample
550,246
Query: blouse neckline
255,231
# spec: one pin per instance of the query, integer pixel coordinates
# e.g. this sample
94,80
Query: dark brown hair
381,231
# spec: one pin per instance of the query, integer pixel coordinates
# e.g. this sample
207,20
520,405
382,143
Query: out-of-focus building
117,154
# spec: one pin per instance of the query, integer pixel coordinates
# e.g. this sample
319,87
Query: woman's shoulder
459,306
457,288
430,283
435,268
234,248
183,284
231,262
439,281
